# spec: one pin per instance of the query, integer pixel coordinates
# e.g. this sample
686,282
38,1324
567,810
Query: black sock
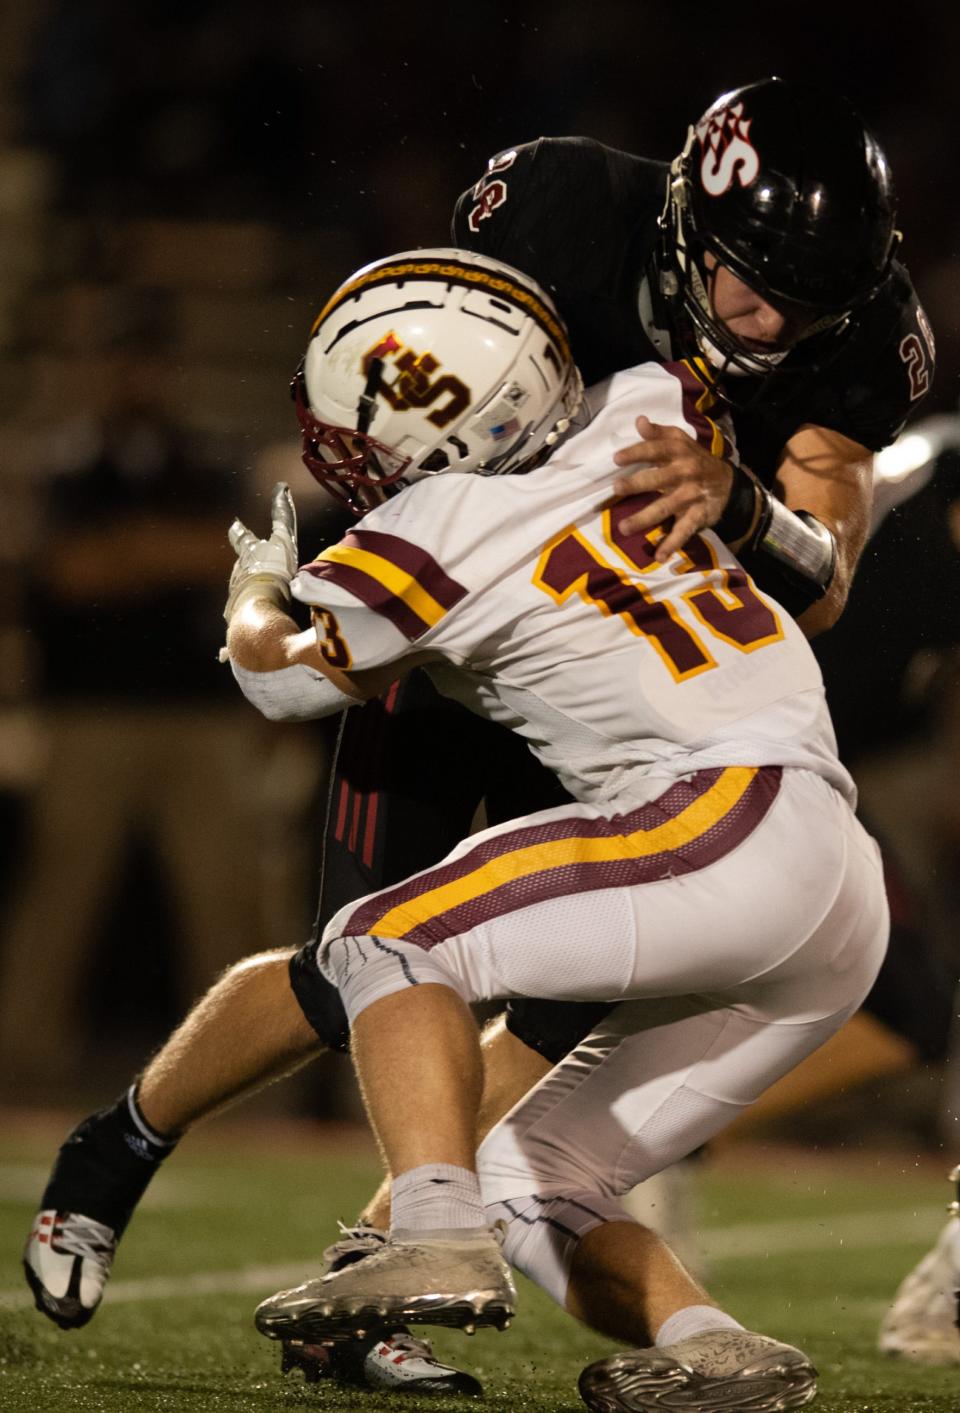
105,1166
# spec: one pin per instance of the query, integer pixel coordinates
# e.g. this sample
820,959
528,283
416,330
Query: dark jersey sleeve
579,218
884,373
520,210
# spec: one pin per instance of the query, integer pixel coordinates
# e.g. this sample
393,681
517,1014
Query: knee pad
365,969
319,999
554,1028
543,1233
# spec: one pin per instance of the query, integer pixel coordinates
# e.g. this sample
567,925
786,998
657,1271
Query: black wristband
740,509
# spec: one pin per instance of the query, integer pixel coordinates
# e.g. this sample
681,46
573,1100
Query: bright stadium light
904,468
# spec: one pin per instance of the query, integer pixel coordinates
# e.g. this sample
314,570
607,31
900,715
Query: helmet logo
413,388
727,150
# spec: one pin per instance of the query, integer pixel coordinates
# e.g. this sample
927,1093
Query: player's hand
692,485
264,564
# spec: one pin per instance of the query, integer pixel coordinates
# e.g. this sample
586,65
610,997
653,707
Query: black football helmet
787,189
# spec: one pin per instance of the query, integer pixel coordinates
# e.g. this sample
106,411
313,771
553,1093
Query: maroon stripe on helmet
369,591
720,839
412,560
677,798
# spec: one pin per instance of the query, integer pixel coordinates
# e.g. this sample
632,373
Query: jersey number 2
734,613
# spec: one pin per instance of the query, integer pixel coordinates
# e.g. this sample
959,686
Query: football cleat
101,1172
922,1323
453,1278
391,1359
719,1370
353,1244
67,1261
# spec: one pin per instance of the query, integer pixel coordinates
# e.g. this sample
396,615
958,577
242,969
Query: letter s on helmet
431,361
785,186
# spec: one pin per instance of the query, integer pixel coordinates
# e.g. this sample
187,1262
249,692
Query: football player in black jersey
766,252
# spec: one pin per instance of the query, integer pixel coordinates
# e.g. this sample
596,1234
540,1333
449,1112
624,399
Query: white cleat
721,1370
454,1278
67,1261
394,1361
921,1324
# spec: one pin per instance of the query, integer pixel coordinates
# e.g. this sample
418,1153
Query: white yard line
861,1230
250,1278
753,1240
24,1182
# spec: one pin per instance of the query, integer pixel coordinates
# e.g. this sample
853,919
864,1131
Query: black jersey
582,220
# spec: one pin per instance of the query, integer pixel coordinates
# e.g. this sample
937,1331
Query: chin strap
789,553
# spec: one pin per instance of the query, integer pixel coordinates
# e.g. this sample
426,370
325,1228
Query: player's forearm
262,637
279,669
830,476
824,614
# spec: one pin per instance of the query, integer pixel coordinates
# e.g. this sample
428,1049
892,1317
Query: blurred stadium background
180,187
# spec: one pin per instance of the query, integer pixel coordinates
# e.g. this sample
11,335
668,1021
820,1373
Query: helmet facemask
353,467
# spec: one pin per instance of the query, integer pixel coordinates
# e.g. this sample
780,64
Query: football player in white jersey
711,874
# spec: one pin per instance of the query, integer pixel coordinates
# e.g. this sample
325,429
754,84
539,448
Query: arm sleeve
297,693
528,207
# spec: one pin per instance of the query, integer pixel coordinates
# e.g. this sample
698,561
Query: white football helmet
430,361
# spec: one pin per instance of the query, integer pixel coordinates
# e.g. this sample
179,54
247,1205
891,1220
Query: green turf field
799,1248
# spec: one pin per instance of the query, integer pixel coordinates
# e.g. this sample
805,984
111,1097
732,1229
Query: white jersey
539,612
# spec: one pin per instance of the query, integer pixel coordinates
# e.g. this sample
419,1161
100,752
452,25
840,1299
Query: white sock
693,1320
436,1196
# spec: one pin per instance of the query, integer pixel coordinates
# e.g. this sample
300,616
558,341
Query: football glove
264,566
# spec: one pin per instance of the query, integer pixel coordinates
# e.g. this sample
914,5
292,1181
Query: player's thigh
710,882
798,900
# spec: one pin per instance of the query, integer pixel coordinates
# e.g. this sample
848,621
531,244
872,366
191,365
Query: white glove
264,566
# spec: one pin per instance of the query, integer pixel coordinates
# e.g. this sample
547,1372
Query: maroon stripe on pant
707,848
674,800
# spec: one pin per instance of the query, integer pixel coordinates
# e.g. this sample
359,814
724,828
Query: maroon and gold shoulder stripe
393,577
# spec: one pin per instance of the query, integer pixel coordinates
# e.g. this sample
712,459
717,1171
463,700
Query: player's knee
365,969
